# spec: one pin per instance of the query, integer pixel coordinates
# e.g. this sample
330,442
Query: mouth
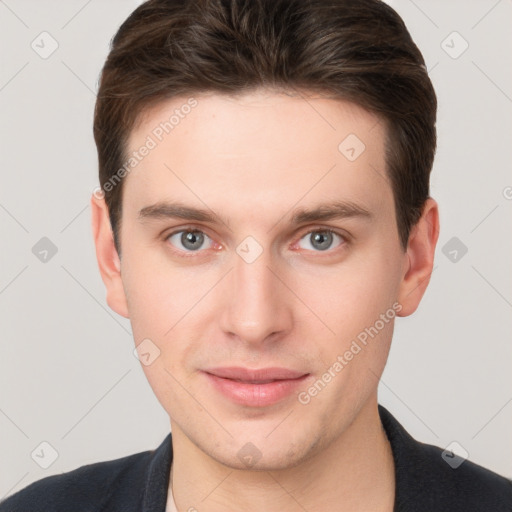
255,387
268,381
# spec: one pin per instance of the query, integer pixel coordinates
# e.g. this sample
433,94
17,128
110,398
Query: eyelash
187,254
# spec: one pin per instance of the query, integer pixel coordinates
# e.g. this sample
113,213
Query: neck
354,473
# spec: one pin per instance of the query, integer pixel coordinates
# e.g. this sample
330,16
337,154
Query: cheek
161,306
171,307
157,294
353,296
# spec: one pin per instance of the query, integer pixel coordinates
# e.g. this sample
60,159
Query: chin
262,454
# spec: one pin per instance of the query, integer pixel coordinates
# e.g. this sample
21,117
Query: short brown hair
355,50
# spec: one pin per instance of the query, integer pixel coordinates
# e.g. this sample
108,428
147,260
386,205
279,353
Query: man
264,216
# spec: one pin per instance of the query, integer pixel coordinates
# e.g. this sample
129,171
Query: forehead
260,148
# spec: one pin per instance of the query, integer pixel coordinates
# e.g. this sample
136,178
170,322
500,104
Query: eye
190,240
320,240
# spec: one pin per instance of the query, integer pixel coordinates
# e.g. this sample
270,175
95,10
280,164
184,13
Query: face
261,270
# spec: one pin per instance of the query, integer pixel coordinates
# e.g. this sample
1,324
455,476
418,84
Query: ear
108,260
420,254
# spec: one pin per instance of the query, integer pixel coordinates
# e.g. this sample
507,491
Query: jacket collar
414,475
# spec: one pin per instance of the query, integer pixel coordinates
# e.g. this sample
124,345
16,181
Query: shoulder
100,486
432,479
468,486
86,487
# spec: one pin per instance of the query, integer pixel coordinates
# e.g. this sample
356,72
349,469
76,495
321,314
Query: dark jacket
425,482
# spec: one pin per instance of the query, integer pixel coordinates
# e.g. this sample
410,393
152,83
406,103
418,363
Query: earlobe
420,254
108,259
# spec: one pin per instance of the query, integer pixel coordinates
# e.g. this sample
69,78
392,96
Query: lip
255,387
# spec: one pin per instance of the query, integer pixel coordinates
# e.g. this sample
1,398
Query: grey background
68,374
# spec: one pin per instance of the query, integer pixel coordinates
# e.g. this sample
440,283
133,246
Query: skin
254,160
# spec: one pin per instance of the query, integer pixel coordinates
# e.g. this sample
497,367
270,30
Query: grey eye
190,240
319,240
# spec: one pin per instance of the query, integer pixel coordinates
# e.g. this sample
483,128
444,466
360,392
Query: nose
257,306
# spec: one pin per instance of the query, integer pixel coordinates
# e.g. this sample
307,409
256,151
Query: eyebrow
329,211
166,210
